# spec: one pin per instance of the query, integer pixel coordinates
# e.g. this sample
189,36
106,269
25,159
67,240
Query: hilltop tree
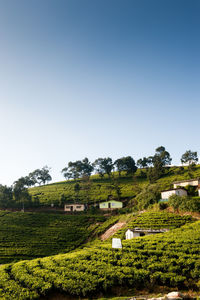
43,175
37,176
159,160
189,157
103,166
125,164
143,162
78,169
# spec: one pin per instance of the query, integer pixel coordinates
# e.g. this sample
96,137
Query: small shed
193,182
137,232
110,205
167,193
129,234
74,207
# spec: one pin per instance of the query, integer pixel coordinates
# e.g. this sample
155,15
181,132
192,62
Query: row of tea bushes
170,259
31,235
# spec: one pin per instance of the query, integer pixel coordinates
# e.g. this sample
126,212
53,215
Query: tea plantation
154,220
158,220
31,235
98,189
170,259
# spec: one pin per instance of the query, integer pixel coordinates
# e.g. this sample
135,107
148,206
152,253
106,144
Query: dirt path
112,230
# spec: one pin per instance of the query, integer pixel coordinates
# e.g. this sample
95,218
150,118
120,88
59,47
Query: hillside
31,235
164,260
99,189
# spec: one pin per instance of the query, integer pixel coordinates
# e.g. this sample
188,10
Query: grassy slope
101,188
170,259
31,235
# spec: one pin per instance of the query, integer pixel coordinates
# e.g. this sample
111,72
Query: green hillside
167,260
31,235
98,189
154,220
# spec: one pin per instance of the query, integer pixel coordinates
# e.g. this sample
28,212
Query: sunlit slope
98,189
154,220
31,235
170,259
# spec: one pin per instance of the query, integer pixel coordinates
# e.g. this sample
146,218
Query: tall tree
20,192
143,162
78,169
189,157
6,196
103,166
159,160
126,164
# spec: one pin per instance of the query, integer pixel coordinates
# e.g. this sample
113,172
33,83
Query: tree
103,166
189,157
125,164
159,160
20,192
143,162
43,175
78,169
149,195
38,176
6,196
163,155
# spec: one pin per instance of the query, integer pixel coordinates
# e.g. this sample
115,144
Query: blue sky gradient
96,78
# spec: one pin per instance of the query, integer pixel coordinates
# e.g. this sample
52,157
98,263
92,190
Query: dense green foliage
31,235
99,189
158,220
170,259
184,203
154,220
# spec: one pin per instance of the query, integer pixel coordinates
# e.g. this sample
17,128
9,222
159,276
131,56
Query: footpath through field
112,230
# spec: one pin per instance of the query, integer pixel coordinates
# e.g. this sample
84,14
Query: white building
129,234
193,182
74,207
179,192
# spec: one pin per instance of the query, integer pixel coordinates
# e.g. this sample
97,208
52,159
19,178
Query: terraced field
31,235
169,260
154,220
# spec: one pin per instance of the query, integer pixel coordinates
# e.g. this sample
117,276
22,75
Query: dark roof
186,180
173,190
74,203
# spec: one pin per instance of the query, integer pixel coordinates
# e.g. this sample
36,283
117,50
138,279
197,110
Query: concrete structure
129,234
179,192
137,232
110,205
74,207
193,182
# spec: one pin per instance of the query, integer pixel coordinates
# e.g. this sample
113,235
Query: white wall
193,183
167,194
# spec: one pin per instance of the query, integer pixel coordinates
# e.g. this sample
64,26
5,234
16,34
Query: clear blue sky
96,78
